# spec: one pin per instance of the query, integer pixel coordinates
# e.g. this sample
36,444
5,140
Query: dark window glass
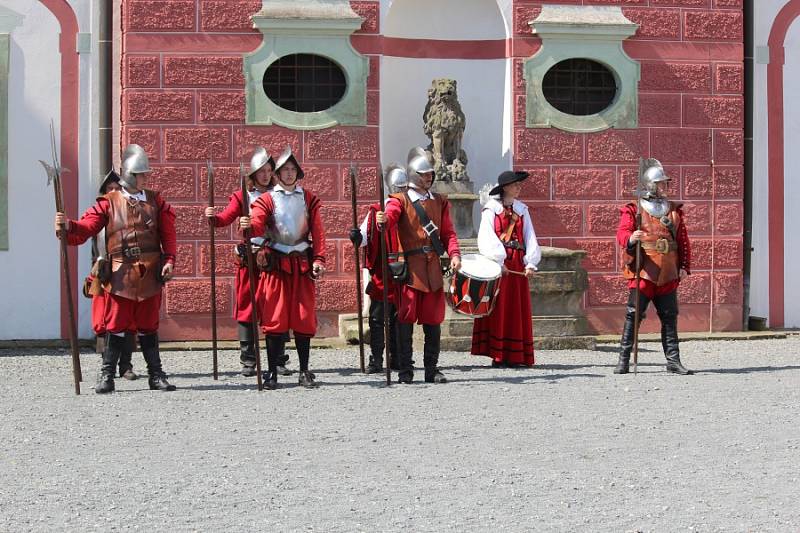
304,83
579,86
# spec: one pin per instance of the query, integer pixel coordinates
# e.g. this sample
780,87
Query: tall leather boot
306,377
247,354
283,357
125,360
393,341
405,367
377,337
626,345
667,307
431,349
113,349
157,379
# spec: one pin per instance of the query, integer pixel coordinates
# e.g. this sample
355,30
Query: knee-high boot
405,333
113,349
626,345
247,355
431,349
669,339
157,379
126,360
377,341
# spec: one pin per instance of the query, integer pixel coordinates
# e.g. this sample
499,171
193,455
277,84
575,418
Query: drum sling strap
510,229
429,228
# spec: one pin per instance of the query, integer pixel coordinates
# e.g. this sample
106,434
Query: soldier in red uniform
260,177
422,220
506,236
292,258
367,236
141,243
665,259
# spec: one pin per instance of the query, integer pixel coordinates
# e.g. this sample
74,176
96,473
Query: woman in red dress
506,236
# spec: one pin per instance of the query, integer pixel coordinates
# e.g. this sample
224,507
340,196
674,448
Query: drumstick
509,271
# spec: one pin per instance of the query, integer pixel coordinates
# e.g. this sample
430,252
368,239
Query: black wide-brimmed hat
506,178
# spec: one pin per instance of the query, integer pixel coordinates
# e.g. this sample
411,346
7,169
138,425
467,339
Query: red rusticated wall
183,91
183,97
691,110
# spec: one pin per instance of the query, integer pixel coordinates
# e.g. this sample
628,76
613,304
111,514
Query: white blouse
490,245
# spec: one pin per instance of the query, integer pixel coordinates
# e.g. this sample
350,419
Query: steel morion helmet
260,158
286,156
419,162
396,177
134,161
652,175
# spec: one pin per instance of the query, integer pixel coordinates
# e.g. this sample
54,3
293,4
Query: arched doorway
460,39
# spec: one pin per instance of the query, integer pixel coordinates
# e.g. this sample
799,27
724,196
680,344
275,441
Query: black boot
433,335
247,354
157,379
667,307
376,338
306,378
405,347
113,349
625,345
125,360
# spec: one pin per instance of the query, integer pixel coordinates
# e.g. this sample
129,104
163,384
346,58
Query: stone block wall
691,110
183,100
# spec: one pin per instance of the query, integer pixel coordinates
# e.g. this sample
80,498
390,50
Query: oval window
304,83
579,86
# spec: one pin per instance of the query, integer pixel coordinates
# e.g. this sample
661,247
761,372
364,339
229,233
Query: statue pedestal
462,199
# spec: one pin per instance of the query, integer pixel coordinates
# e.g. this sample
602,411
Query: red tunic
506,335
242,311
423,307
119,313
286,295
372,257
627,225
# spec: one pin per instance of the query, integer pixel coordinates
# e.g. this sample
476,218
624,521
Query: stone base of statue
462,200
559,322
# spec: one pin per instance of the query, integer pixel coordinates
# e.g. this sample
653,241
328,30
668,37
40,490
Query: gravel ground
565,446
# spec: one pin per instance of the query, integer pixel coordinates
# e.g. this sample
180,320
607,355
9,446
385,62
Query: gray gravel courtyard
564,446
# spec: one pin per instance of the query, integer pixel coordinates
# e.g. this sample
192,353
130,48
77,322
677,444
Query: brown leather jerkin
660,268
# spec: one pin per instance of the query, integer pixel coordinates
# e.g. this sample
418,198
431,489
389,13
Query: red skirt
286,300
506,335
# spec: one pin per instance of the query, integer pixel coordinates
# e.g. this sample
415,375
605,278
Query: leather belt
423,250
662,246
133,252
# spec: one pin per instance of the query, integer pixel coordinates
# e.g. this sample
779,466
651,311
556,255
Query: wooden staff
383,231
213,257
251,275
357,250
637,311
54,176
713,245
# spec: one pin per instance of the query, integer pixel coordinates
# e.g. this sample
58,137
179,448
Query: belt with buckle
662,246
516,245
423,250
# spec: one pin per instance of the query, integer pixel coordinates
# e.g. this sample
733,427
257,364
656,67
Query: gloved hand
356,237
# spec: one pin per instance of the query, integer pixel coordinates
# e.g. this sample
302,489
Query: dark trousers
667,308
377,333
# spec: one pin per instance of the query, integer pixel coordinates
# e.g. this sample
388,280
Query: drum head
479,267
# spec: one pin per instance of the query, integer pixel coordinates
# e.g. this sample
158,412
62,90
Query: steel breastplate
656,207
291,219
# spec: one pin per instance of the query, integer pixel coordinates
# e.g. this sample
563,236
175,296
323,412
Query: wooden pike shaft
213,258
357,250
385,276
252,277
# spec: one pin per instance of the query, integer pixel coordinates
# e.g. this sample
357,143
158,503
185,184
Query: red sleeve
166,229
260,214
684,249
393,212
92,221
627,225
231,212
317,231
448,232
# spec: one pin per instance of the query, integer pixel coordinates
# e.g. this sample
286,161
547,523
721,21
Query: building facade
188,81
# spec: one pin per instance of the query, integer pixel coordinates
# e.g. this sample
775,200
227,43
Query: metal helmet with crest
259,160
651,175
396,177
284,158
419,162
134,161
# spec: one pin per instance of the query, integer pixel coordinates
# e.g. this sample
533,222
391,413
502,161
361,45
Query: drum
474,288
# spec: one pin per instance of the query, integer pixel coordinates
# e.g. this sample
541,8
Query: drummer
423,224
506,235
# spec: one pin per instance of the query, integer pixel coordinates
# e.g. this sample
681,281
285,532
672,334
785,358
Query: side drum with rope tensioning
473,289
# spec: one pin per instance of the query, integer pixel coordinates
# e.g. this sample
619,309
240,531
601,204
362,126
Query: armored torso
290,228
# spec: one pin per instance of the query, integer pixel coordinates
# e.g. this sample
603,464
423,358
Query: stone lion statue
444,123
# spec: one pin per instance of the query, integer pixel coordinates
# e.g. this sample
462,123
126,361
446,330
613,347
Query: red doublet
243,309
123,314
372,257
627,225
422,307
506,335
286,295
